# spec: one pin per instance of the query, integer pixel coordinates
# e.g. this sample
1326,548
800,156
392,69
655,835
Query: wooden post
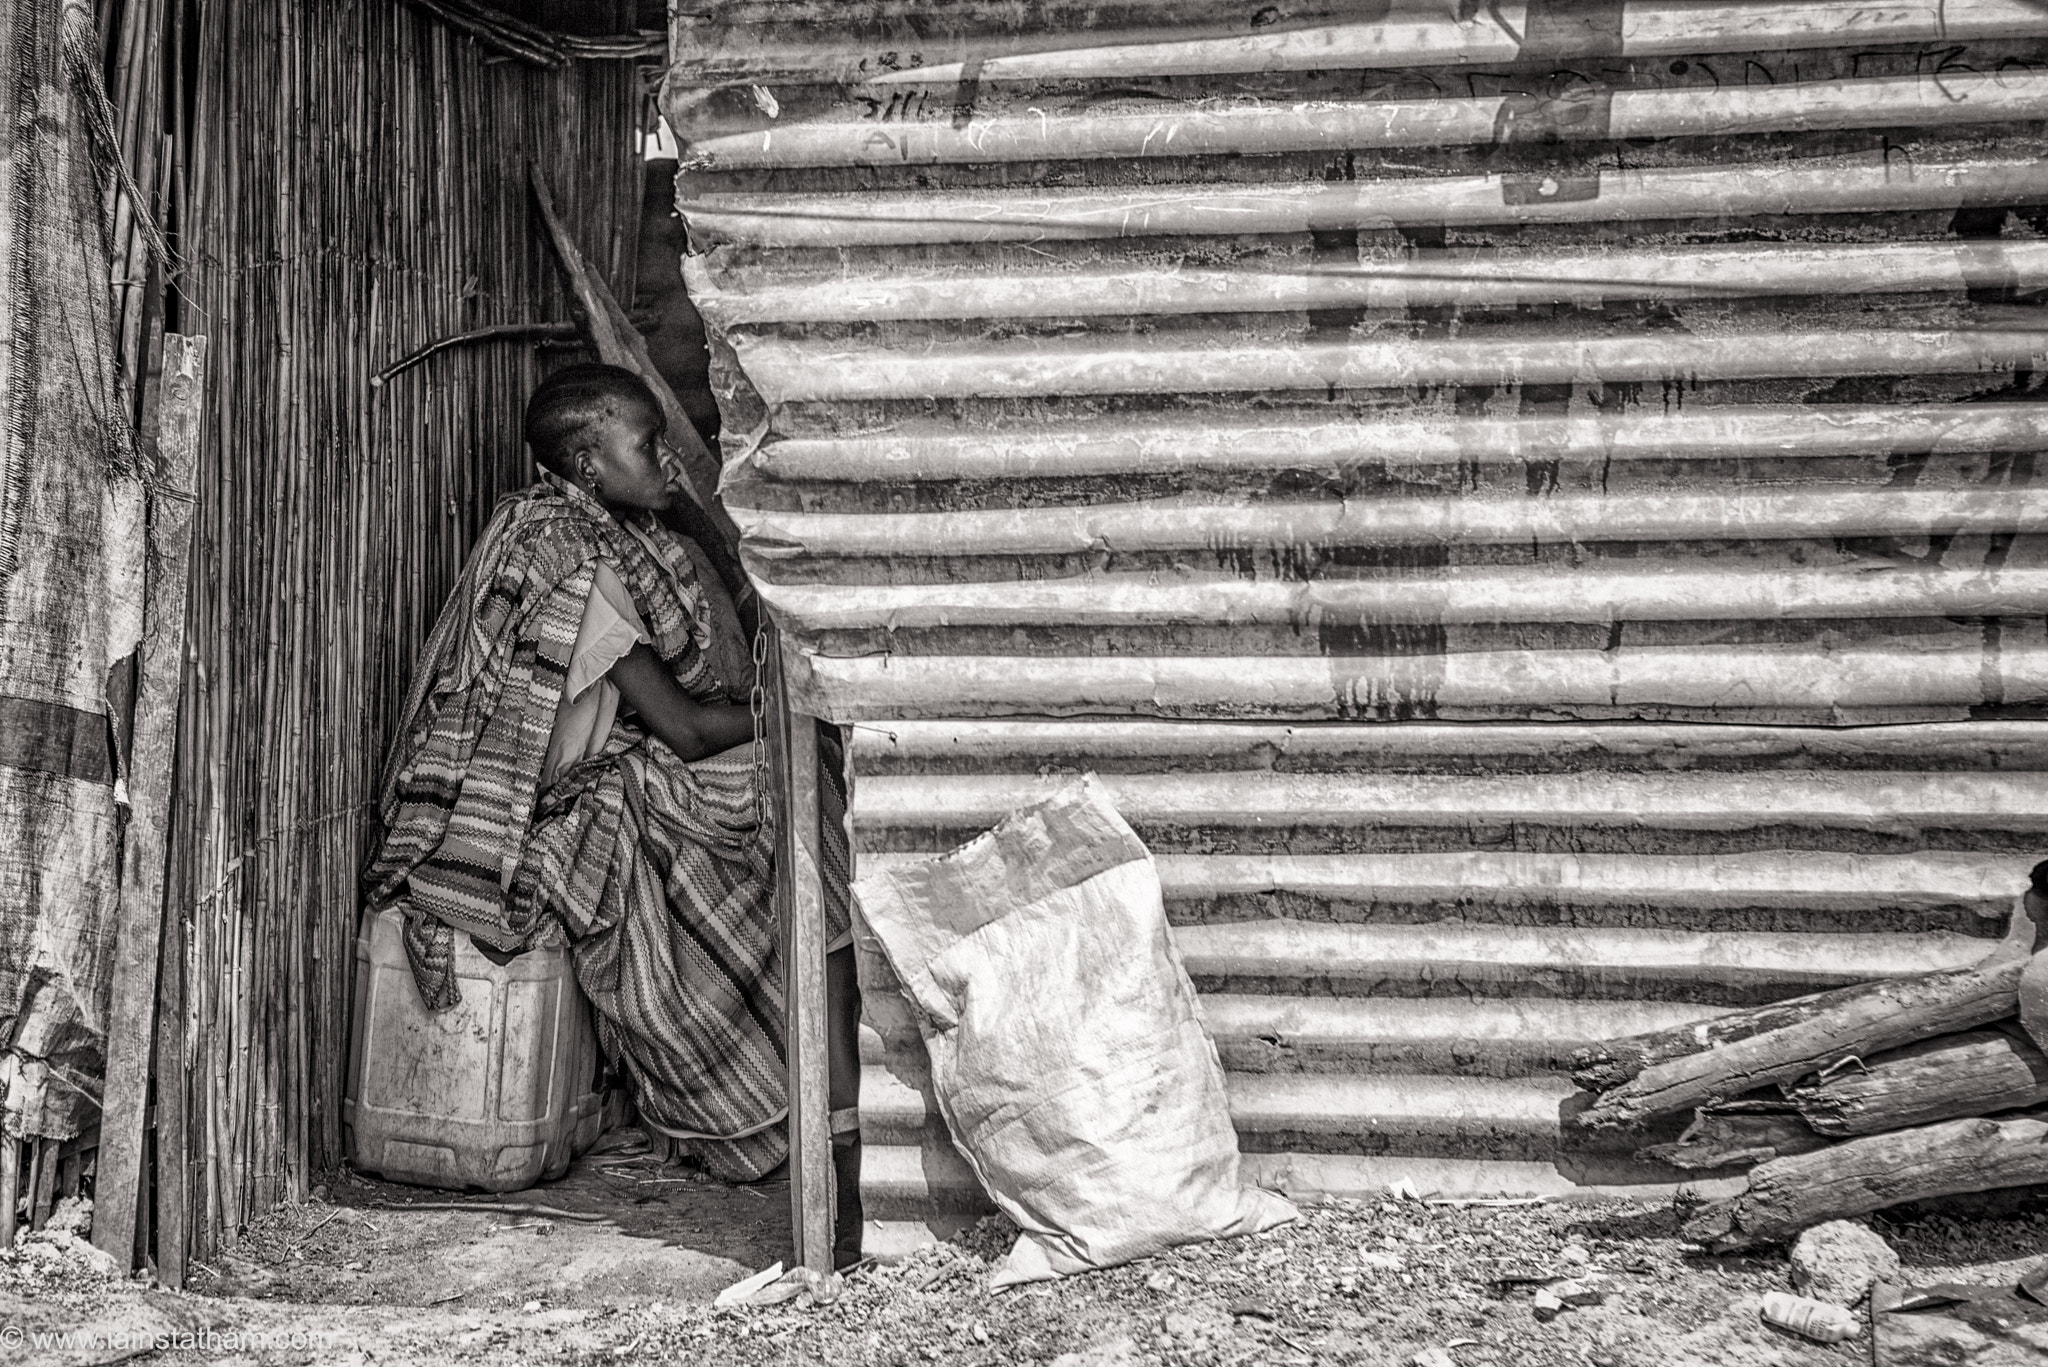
10,1185
171,1085
131,1027
42,1183
800,899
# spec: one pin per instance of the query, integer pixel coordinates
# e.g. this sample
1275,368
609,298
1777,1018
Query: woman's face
625,464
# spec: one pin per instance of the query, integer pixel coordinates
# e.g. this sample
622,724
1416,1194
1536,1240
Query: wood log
1853,1178
1975,1073
2033,1000
1607,1065
1731,1138
1890,1015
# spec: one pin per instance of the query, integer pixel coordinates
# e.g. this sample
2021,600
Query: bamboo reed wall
345,182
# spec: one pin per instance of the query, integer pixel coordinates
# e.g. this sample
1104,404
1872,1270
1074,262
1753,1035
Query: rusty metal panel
1533,508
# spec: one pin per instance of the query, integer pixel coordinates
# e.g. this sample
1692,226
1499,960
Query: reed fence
342,183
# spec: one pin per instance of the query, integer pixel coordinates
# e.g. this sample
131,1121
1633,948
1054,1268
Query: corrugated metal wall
1532,508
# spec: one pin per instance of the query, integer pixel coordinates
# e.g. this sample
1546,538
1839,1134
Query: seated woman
576,759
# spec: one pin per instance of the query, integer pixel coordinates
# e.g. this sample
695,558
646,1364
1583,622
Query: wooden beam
131,1027
800,897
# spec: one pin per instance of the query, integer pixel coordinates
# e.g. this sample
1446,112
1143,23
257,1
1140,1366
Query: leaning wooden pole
800,900
619,343
131,1027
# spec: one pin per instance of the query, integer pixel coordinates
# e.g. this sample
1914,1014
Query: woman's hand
693,730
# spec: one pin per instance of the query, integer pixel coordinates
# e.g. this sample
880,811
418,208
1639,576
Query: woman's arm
693,730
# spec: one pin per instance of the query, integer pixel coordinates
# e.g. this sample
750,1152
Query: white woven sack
1067,1049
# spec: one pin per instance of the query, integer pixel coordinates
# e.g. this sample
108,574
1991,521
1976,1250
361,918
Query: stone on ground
1839,1261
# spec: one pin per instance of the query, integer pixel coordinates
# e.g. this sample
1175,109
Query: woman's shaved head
574,399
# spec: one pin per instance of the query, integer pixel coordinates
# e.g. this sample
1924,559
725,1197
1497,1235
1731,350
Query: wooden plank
801,900
131,1025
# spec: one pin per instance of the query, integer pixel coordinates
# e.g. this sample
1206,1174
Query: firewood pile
1848,1101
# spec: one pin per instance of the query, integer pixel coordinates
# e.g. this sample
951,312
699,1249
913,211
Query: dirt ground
373,1273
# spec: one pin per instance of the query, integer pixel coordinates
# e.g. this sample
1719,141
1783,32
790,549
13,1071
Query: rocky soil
361,1279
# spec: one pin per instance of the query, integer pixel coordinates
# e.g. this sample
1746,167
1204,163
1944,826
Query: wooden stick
616,47
800,900
493,333
502,1208
1862,1175
1980,1072
180,413
498,31
1893,1014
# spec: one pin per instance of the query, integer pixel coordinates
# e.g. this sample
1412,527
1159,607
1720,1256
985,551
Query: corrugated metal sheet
1532,508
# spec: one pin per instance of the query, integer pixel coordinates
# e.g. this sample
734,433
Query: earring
597,488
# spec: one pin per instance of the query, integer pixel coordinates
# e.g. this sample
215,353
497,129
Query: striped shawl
657,870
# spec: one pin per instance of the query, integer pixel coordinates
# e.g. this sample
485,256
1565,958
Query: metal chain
757,703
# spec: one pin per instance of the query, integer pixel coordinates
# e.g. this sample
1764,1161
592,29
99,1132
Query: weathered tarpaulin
1532,508
61,444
